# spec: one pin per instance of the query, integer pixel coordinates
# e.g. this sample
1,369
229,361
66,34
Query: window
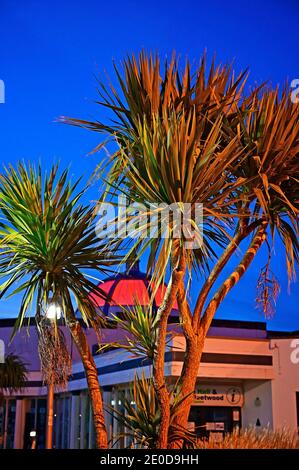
7,423
62,416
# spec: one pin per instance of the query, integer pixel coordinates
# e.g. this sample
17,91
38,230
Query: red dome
124,289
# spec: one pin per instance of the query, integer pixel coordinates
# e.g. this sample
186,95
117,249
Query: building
248,376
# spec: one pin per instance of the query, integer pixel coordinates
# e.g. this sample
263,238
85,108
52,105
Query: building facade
248,377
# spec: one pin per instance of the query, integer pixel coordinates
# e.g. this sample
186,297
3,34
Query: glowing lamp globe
54,311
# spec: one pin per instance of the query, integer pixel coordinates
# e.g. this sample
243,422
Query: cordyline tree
200,138
13,373
47,243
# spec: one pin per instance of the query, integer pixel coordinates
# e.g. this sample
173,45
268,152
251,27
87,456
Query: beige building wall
233,346
257,409
286,382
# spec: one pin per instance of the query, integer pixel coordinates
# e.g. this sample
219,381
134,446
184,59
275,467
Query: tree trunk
50,415
217,269
195,343
92,381
159,361
159,379
194,349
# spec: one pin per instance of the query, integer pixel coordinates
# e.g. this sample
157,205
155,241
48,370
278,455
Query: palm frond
141,418
13,374
48,241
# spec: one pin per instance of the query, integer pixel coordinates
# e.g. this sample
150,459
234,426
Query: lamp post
53,313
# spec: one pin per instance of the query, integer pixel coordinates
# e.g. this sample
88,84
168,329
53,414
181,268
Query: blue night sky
51,51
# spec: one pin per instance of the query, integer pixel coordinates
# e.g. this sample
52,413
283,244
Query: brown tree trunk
194,349
195,343
217,269
92,381
50,415
158,370
234,278
159,360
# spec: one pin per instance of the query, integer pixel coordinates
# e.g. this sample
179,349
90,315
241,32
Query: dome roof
123,290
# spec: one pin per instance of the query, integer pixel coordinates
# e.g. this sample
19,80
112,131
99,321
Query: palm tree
47,241
270,132
168,152
13,373
142,417
186,138
141,420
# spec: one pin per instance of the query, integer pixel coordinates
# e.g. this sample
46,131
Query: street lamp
53,313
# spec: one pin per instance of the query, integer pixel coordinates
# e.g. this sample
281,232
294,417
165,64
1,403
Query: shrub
251,438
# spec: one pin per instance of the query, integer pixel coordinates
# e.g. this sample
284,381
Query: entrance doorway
216,420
